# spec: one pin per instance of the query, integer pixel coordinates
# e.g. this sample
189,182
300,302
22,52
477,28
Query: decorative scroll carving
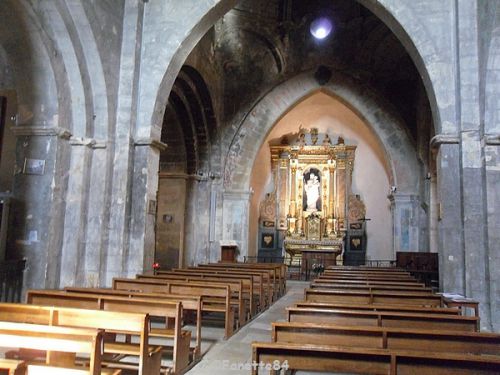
357,209
268,208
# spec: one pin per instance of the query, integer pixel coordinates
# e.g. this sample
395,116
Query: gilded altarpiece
312,179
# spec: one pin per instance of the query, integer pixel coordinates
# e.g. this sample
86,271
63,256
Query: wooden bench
270,274
383,319
278,271
189,304
388,338
137,324
333,359
369,287
359,297
381,307
370,277
255,278
12,367
263,279
246,283
240,297
61,345
413,283
364,268
208,293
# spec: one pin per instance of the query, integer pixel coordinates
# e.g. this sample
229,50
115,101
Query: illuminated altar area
312,203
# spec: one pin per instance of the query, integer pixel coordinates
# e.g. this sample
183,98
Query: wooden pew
263,279
139,325
189,304
220,293
246,282
12,367
240,295
413,283
388,338
333,359
364,268
270,275
370,277
257,279
359,297
369,271
383,319
369,287
61,344
278,273
380,307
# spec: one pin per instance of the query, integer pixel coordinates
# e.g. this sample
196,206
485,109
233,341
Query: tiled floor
221,357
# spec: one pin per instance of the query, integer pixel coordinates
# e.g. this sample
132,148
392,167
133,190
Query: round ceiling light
321,27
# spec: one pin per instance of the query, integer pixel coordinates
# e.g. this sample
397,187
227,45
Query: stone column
235,218
404,209
331,197
143,206
469,56
492,153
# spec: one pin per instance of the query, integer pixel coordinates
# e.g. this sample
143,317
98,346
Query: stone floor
221,357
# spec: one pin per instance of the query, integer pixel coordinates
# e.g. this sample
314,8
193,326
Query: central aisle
221,355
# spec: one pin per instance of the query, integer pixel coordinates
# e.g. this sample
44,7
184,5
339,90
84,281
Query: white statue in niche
312,200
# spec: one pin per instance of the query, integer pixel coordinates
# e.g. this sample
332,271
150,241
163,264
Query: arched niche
394,151
372,173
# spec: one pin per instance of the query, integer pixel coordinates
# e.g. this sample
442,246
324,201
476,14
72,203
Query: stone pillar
472,166
36,223
451,251
492,155
235,218
404,208
144,189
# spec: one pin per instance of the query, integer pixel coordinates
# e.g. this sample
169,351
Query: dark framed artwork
356,243
267,240
34,166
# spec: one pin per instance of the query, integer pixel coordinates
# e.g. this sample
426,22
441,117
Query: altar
314,252
312,211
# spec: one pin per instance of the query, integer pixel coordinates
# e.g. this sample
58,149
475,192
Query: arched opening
188,127
371,174
251,57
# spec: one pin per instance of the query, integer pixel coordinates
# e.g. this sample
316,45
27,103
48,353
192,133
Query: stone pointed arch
400,156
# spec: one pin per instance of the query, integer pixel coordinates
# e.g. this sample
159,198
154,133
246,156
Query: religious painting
311,200
267,241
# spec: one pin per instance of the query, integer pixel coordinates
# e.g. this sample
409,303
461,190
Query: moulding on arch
151,142
440,139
